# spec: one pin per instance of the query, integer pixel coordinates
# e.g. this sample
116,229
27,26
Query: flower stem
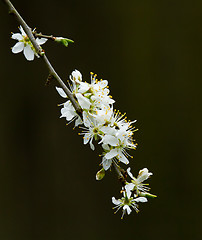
40,51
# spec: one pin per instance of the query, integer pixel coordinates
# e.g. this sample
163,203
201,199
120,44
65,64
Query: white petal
69,105
143,175
83,102
86,138
129,187
130,174
105,147
68,114
22,31
61,92
28,52
83,87
76,76
108,130
41,41
106,163
111,154
122,158
78,122
18,47
141,199
116,202
86,120
127,208
91,144
17,36
111,140
102,83
106,91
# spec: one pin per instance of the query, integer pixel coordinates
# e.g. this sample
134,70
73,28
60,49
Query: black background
150,52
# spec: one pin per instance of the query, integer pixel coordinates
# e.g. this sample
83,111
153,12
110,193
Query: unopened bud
100,174
64,41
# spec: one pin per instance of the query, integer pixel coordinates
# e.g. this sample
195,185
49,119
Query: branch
40,51
121,174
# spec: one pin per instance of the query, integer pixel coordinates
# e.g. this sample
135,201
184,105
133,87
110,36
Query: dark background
150,52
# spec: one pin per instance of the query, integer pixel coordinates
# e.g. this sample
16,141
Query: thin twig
121,175
50,37
40,51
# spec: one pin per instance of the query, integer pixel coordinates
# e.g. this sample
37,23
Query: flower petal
129,187
83,87
127,208
111,154
17,36
106,163
86,138
143,175
41,41
111,140
91,144
76,76
102,83
130,174
28,52
78,122
61,92
105,147
116,202
141,199
18,47
83,101
22,31
122,158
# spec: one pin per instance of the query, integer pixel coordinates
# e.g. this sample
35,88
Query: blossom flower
126,202
90,131
120,142
100,91
136,183
24,44
106,163
68,110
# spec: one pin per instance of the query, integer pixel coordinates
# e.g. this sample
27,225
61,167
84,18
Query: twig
121,175
40,51
50,37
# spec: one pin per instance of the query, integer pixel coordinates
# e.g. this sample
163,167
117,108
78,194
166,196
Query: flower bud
64,41
100,174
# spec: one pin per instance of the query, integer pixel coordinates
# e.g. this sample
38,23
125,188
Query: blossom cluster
99,122
111,129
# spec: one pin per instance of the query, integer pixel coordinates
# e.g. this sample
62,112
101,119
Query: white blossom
68,111
24,44
111,129
137,183
127,202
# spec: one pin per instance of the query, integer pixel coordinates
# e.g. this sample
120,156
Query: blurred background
150,52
